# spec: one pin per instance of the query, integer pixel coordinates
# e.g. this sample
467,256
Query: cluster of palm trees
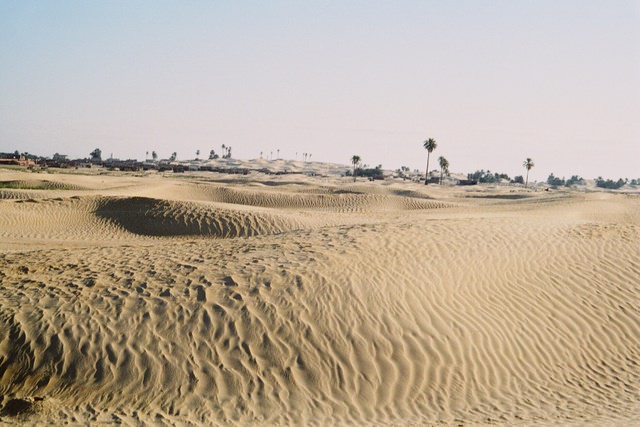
305,156
430,145
226,151
355,160
226,154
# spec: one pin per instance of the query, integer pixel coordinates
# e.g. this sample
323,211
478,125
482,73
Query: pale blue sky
493,82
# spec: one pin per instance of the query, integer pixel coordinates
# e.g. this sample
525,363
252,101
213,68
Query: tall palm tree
444,166
429,145
355,160
528,164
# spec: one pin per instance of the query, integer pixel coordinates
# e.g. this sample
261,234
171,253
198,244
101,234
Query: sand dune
333,199
155,217
162,300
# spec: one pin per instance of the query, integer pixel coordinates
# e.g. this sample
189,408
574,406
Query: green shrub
610,184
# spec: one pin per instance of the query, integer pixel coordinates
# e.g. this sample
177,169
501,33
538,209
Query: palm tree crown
429,145
528,163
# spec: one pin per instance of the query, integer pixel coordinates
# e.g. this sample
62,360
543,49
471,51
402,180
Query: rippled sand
261,300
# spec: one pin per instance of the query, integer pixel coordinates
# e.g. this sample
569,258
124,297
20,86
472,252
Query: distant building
15,159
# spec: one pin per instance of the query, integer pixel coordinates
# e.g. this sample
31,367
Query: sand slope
175,301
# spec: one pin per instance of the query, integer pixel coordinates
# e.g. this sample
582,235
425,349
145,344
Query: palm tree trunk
527,180
440,176
426,174
354,172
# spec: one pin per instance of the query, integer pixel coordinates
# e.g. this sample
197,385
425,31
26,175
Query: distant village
95,160
152,162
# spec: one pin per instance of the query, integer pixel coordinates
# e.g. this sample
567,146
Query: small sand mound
155,217
60,219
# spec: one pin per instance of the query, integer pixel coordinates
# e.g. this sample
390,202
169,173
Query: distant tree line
488,177
559,182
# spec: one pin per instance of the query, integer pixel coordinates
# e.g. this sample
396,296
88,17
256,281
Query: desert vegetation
528,165
561,182
429,145
486,177
444,167
355,161
609,183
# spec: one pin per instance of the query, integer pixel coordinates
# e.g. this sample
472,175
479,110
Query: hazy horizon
493,82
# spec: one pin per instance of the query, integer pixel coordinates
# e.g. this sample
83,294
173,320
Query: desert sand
213,299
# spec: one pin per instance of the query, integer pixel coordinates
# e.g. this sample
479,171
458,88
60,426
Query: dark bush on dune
610,184
558,182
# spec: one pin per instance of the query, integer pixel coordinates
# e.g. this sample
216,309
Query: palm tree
528,164
429,145
96,155
355,160
197,154
444,166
